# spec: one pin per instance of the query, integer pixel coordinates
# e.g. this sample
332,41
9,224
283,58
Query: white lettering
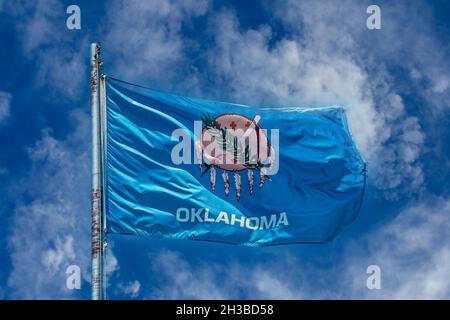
241,220
195,214
255,225
223,216
251,223
186,214
207,218
271,224
283,219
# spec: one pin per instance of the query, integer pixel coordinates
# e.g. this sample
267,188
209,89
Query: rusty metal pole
97,177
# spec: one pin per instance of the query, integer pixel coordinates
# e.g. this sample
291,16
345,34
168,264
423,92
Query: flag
186,168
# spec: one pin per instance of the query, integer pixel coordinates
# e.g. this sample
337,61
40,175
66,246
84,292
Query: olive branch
230,144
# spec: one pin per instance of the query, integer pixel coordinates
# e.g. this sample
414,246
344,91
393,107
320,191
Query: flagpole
97,177
104,131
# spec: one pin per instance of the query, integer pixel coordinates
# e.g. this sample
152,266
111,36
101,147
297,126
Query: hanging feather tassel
250,180
226,183
213,179
262,175
238,184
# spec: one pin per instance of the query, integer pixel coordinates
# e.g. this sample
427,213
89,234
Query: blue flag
186,168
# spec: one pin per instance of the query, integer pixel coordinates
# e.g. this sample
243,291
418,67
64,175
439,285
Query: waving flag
185,168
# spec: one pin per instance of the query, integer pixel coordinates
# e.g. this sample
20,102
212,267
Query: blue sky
394,82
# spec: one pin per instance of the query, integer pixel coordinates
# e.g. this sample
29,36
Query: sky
394,83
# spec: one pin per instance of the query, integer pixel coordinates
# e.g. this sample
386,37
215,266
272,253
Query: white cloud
323,61
38,27
413,251
144,40
51,232
131,288
111,265
320,63
68,80
52,258
5,105
181,279
327,58
59,58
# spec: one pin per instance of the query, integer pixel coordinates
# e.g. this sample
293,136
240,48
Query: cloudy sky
394,82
